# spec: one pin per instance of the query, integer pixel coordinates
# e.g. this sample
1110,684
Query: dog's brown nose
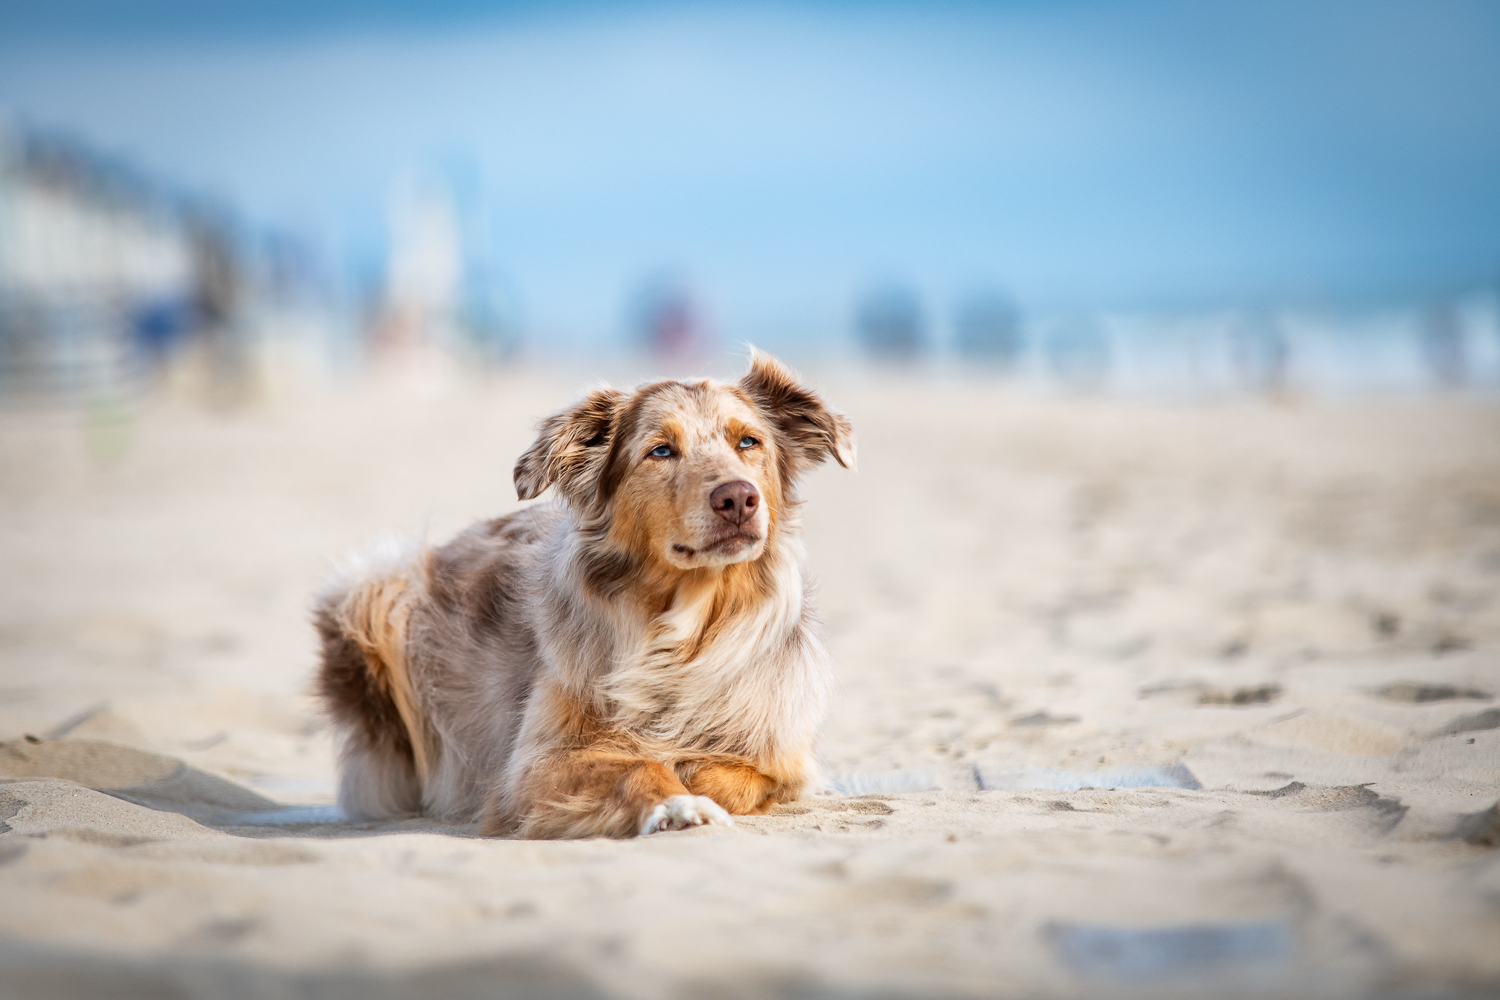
735,502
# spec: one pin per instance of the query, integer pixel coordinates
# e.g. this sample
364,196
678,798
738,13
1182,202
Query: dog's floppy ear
571,448
815,430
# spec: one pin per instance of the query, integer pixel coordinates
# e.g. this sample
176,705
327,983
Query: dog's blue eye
748,442
662,451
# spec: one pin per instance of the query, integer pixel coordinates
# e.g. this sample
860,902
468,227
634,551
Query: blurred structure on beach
440,302
426,194
103,278
890,323
417,316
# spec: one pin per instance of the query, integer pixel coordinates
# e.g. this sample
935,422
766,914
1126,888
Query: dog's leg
736,786
597,793
377,781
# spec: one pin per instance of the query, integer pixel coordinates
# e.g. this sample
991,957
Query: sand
1138,697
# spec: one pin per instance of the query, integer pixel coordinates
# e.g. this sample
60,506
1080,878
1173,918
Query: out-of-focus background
1158,196
1165,603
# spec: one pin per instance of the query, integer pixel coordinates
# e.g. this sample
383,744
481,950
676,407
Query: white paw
682,811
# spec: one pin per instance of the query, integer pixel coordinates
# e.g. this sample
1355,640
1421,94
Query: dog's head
690,474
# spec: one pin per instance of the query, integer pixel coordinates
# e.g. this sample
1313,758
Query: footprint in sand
1330,731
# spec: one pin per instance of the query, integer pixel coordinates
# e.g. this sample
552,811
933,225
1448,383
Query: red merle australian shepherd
639,654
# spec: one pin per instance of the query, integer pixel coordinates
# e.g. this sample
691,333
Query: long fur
565,670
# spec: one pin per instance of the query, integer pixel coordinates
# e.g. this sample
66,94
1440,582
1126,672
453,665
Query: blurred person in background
1078,353
987,330
1259,353
491,317
1443,345
667,320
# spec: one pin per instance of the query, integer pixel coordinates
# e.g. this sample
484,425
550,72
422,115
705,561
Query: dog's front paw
682,811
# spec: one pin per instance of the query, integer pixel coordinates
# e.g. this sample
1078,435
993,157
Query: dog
640,654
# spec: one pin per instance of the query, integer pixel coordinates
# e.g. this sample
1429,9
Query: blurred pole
218,297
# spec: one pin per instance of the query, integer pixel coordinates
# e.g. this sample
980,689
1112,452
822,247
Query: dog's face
697,480
692,475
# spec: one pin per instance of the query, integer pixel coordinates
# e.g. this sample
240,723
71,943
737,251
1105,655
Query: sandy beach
1138,698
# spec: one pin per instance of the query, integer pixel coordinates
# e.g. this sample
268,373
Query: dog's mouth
727,543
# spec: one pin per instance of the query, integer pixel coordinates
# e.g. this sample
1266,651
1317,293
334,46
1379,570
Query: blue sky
779,156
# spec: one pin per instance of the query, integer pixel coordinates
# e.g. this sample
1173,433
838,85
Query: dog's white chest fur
677,685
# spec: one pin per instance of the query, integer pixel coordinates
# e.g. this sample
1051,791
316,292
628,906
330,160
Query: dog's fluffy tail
366,687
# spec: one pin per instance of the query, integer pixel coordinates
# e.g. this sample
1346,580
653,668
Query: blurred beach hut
889,323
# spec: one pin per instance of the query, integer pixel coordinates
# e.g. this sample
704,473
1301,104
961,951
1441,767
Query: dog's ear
571,448
815,430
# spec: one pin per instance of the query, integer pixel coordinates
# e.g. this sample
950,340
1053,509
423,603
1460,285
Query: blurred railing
65,349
